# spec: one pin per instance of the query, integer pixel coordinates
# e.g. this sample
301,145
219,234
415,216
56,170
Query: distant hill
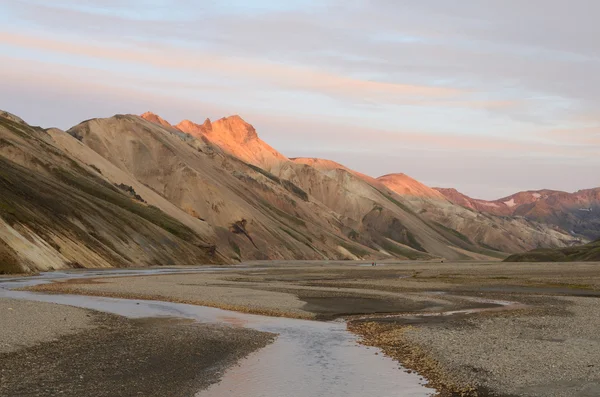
578,212
585,253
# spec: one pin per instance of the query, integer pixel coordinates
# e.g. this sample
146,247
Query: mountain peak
156,119
234,128
197,130
207,125
322,164
407,186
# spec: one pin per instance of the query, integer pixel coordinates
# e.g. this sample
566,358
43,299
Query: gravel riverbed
74,352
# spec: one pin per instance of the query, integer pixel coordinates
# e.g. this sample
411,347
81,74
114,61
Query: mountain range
578,213
137,191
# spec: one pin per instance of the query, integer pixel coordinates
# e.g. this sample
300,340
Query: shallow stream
308,358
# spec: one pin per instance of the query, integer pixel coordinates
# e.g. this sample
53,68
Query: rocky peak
234,129
207,125
156,119
197,130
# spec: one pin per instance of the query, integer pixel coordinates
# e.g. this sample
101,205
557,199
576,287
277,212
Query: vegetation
586,253
398,250
284,214
288,185
412,241
235,248
5,143
455,233
100,189
353,235
292,188
92,166
131,191
388,196
354,249
9,263
90,211
16,128
489,247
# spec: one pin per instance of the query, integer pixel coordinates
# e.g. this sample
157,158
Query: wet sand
307,358
88,353
24,324
547,347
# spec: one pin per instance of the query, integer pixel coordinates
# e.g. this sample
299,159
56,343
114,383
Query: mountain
237,138
137,190
58,212
444,228
154,118
407,186
582,253
577,213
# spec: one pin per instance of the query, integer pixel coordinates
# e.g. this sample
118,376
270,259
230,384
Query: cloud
577,136
73,84
279,75
489,84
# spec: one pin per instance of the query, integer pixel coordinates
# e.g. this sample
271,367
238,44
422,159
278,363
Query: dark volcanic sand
122,357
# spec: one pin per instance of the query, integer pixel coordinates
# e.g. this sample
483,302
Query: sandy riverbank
76,352
549,348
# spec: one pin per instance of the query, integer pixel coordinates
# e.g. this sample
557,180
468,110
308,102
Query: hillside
577,213
57,212
581,253
137,191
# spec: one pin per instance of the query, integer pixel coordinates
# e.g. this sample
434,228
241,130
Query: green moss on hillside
584,253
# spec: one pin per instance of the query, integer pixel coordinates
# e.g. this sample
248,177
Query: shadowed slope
589,252
56,212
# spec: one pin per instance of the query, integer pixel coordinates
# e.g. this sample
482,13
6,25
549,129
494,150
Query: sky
489,97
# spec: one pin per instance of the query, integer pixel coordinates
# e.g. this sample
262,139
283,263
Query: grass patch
398,250
489,247
9,261
353,235
412,241
235,248
16,128
455,233
357,251
294,189
284,214
404,207
287,185
92,166
104,191
588,252
5,143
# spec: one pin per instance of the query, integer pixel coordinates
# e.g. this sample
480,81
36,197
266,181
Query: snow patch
510,203
536,195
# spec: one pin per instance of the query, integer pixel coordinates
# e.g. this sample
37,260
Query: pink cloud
279,75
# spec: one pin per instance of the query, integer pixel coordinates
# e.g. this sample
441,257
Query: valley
299,199
459,325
